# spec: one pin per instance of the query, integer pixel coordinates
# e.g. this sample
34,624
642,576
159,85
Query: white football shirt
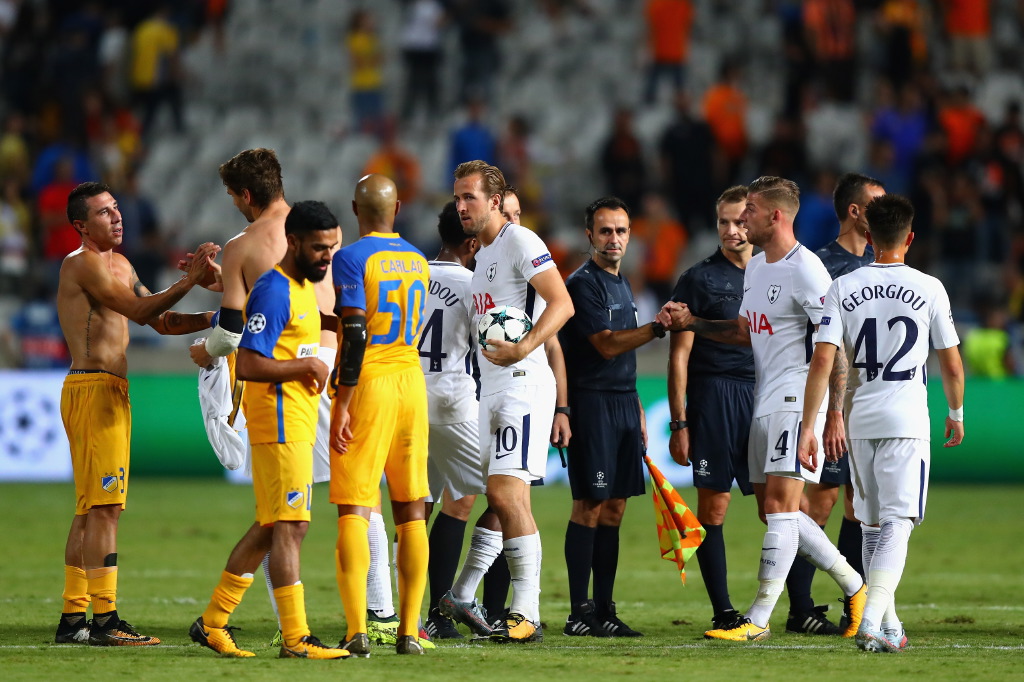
446,345
885,314
782,302
503,272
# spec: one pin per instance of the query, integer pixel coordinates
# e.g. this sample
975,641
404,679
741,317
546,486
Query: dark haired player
97,294
277,356
606,456
886,315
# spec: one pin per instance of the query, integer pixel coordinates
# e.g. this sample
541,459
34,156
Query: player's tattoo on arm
726,331
138,287
837,380
88,328
175,323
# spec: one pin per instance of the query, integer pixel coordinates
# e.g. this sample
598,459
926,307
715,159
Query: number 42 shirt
885,315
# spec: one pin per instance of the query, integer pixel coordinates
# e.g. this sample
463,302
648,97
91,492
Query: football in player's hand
504,322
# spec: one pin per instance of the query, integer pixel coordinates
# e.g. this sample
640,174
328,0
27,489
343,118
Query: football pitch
960,598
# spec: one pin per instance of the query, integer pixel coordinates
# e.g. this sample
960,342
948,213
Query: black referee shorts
719,412
606,449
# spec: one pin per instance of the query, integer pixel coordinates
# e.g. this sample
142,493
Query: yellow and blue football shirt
282,322
387,277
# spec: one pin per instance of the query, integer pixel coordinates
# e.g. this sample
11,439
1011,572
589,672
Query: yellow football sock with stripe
102,589
76,590
413,556
353,564
226,597
291,602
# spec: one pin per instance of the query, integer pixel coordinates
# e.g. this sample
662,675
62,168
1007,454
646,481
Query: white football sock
524,557
777,553
819,550
378,579
869,541
886,569
270,587
484,548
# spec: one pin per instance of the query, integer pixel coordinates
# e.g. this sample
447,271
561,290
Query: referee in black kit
711,395
607,419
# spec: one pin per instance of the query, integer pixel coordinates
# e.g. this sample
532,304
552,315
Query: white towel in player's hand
230,442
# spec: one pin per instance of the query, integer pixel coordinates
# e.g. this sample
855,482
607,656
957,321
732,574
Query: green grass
960,598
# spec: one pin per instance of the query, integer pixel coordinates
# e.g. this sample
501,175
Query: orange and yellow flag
679,531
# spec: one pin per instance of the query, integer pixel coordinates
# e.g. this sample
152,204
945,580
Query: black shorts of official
836,473
606,451
718,413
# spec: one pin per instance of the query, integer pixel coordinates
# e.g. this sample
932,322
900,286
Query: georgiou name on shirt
896,292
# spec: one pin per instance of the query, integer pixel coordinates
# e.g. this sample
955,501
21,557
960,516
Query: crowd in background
924,95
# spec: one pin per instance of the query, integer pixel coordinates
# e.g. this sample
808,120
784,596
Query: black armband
353,346
230,320
563,410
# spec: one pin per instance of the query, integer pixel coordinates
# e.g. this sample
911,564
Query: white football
504,322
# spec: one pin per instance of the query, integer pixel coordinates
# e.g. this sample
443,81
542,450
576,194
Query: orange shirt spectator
668,23
908,15
832,28
665,240
59,237
968,18
960,121
725,108
401,167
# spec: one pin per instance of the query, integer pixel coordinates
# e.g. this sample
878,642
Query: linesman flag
679,531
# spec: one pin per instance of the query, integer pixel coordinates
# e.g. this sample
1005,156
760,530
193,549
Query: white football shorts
515,427
890,478
771,448
454,460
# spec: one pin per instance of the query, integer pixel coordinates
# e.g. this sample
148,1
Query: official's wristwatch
677,425
563,410
658,329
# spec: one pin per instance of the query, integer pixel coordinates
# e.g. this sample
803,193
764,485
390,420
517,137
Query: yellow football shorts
389,436
282,478
97,417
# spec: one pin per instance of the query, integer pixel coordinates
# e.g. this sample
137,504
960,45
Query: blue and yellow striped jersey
282,321
387,277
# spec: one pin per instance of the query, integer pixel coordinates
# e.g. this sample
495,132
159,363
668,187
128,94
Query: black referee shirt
602,301
838,261
713,289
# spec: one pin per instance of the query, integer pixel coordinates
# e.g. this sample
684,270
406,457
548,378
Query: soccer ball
504,322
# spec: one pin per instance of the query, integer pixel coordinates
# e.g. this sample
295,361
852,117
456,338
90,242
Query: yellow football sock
226,596
76,590
413,555
102,589
291,603
353,555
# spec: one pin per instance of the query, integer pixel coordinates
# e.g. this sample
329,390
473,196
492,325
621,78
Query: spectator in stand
113,58
668,39
836,134
903,25
686,152
473,139
156,72
785,153
420,42
15,162
961,120
57,236
15,244
35,338
816,223
958,227
987,351
725,108
1009,135
831,34
969,27
480,24
905,126
882,165
665,240
142,241
515,155
366,81
622,162
397,163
